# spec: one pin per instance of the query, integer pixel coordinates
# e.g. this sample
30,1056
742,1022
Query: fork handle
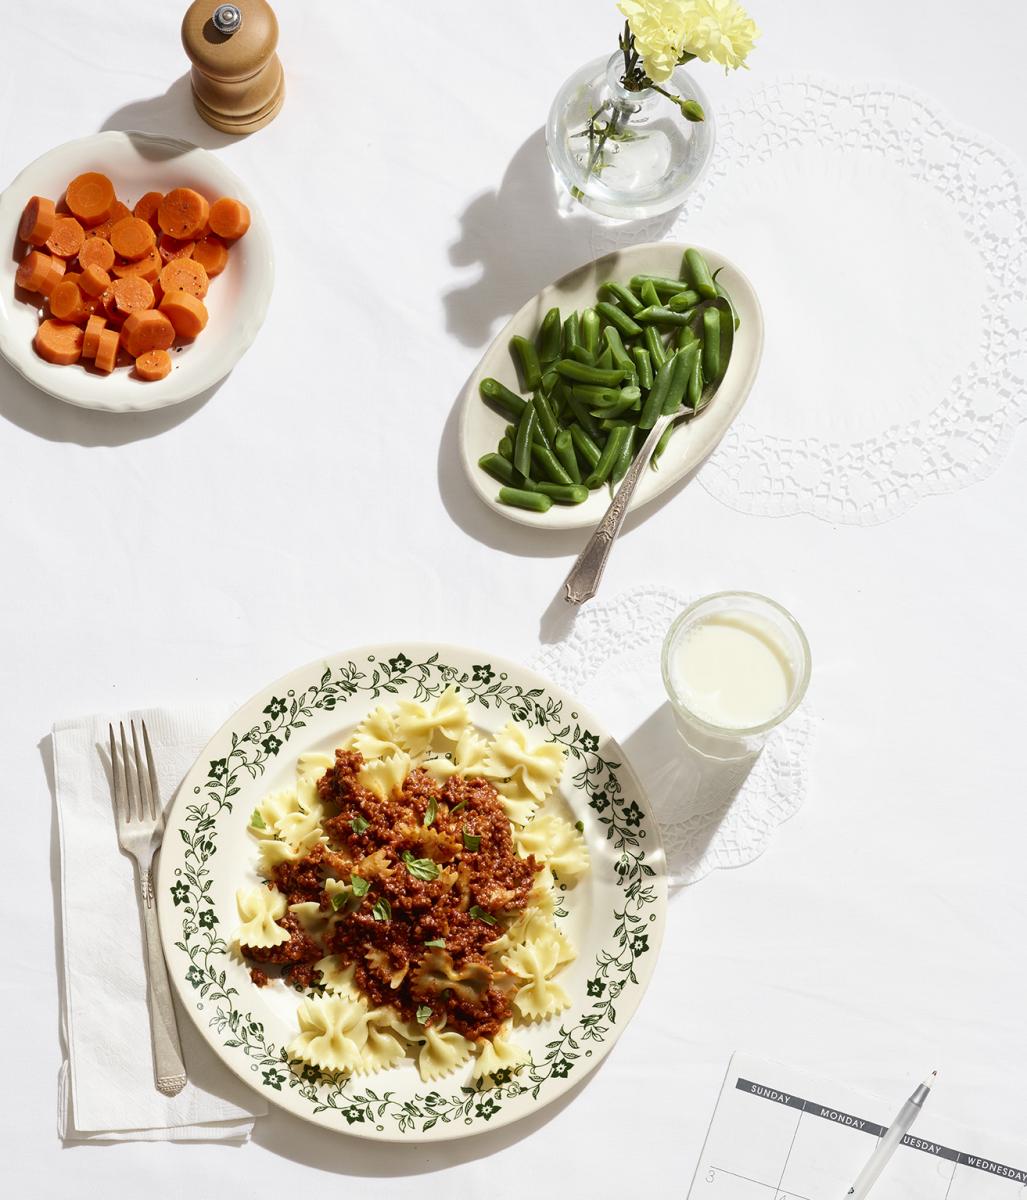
169,1069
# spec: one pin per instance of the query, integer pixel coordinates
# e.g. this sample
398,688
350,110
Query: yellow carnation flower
719,31
659,28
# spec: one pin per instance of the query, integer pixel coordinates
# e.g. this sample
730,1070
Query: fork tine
118,779
142,778
156,810
130,780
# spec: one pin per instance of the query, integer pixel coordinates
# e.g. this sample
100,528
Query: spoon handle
583,581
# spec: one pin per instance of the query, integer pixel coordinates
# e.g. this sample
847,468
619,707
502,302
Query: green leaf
481,915
257,821
579,826
439,942
425,869
462,804
431,812
360,886
471,840
359,825
423,1014
382,910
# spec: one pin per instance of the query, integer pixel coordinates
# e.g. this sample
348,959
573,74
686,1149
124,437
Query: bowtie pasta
411,891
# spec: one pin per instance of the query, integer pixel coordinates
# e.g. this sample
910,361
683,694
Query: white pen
886,1147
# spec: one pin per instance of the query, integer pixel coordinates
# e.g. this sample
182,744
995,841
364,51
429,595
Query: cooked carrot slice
95,281
66,302
185,274
183,213
37,221
132,294
171,248
154,364
90,197
146,209
229,218
132,238
118,213
148,330
212,255
107,350
57,269
59,342
96,252
91,339
187,314
148,267
33,271
67,237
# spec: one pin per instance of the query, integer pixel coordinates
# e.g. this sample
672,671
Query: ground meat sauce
387,941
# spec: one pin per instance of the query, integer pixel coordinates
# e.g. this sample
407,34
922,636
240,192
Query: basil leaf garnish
340,900
425,869
423,1014
257,821
359,825
439,942
462,804
579,826
471,840
382,910
481,915
359,886
431,811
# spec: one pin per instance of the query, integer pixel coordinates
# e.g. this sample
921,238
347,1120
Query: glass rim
732,731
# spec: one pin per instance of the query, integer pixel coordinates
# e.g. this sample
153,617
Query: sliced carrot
153,365
187,314
96,252
148,268
111,311
132,238
118,213
146,209
33,271
91,339
148,330
229,218
59,342
37,221
66,303
107,350
57,269
171,248
132,294
90,197
185,274
95,281
183,213
67,237
212,254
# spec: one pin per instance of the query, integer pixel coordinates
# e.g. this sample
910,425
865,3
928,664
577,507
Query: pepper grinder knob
237,79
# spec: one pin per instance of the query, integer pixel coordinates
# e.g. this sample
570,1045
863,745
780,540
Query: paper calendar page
782,1134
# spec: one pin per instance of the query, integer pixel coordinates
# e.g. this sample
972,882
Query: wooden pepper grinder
238,84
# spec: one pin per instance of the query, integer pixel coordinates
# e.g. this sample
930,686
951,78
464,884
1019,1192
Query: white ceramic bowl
238,298
481,427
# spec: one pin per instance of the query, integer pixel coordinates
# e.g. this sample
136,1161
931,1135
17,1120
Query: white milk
732,670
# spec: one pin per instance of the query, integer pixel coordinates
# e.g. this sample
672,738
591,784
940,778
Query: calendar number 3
711,1176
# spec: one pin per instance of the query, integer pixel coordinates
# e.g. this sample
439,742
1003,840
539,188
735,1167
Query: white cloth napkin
106,1089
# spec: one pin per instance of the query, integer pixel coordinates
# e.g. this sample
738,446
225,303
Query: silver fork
140,819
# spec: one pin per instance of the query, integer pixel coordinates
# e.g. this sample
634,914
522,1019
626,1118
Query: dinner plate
614,915
481,427
137,163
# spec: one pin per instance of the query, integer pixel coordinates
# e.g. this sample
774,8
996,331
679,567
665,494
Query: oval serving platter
614,915
137,163
481,427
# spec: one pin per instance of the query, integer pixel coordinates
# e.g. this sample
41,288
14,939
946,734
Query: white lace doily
888,245
711,815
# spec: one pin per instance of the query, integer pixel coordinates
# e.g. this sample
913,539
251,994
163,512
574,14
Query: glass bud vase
642,156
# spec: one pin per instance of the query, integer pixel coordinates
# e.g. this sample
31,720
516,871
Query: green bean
564,447
587,449
654,401
582,373
534,501
683,300
582,354
623,296
618,409
623,460
525,436
643,367
666,288
614,445
588,394
695,385
500,397
571,333
695,267
665,316
549,465
711,344
562,493
590,331
549,338
506,448
621,357
655,346
624,324
686,337
679,380
722,293
649,294
582,415
605,360
511,432
546,417
526,357
549,380
499,467
661,445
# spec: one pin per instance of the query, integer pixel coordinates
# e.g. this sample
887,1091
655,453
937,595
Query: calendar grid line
788,1156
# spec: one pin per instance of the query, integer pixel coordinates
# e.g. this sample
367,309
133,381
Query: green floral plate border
206,855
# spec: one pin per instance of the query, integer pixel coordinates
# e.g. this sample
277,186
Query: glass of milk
735,665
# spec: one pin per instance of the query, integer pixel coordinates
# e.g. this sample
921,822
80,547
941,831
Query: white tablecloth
307,506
